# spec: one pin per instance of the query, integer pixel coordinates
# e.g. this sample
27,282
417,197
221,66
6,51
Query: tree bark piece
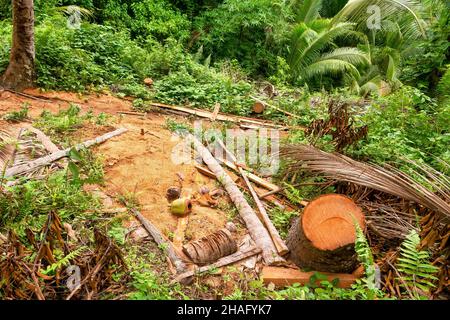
211,248
256,229
263,216
20,72
225,261
323,237
43,161
282,277
180,266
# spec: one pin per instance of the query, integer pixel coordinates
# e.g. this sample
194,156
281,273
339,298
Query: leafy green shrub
406,124
17,116
251,31
156,19
202,87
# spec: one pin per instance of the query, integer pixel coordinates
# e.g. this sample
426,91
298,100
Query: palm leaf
308,10
406,12
330,67
388,179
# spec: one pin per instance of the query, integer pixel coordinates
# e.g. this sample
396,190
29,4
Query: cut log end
323,237
329,221
258,107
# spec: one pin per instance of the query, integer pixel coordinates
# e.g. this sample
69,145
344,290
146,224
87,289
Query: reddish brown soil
135,164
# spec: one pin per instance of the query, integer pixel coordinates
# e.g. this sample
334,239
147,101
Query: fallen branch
44,139
225,261
263,216
256,229
253,177
180,266
220,116
43,161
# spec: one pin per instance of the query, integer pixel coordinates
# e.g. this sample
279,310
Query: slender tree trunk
20,72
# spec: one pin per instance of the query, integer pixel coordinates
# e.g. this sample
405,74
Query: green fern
417,273
51,269
365,257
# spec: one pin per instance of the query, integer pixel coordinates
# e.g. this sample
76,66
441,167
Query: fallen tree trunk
225,261
323,237
180,266
255,227
263,216
43,161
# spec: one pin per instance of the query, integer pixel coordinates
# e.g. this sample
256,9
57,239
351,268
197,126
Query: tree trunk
323,237
20,72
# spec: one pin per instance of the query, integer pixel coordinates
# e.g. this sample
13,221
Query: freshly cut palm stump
323,237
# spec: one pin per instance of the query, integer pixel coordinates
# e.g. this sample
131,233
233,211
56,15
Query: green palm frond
333,67
351,55
405,12
309,50
83,12
307,10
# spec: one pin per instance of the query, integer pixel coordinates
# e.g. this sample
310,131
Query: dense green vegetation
199,53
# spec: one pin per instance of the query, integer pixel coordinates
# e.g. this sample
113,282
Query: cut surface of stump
323,237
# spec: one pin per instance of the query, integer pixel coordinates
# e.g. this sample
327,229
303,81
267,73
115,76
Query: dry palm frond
6,149
388,180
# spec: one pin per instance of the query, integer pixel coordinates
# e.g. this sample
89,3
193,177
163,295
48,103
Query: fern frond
51,269
414,267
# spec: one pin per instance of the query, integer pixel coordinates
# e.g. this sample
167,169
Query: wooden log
43,161
258,107
225,261
263,216
275,108
323,237
282,277
180,266
211,247
255,227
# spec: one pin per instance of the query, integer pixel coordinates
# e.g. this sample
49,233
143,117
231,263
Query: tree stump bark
323,237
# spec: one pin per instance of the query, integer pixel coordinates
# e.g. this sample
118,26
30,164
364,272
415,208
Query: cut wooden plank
220,116
43,161
180,266
255,227
205,171
225,261
264,217
282,277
